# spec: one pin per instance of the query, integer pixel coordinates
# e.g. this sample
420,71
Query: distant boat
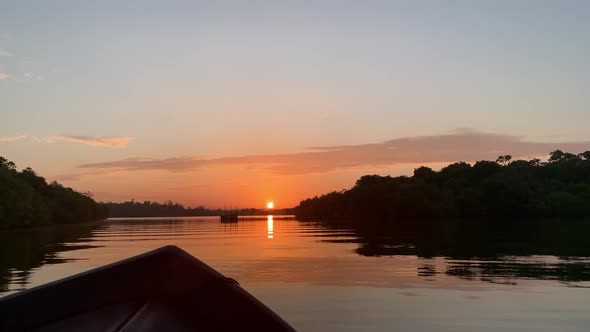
229,218
163,290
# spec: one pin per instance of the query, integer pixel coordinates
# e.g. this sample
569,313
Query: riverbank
487,190
27,200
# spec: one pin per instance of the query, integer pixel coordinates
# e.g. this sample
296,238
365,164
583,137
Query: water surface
333,279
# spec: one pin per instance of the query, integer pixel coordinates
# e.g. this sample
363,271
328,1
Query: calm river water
328,279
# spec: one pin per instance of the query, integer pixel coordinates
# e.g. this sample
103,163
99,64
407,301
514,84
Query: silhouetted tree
535,162
26,200
504,189
504,160
558,155
425,173
5,163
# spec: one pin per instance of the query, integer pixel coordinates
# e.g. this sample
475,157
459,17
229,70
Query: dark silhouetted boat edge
229,218
163,290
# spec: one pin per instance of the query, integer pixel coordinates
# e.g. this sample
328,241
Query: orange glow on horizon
221,186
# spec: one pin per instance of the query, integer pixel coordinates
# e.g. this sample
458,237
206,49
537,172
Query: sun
270,205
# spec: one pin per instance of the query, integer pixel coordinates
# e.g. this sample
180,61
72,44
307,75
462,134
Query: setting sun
270,205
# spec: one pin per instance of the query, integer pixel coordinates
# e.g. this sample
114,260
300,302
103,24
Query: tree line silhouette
26,199
172,209
503,189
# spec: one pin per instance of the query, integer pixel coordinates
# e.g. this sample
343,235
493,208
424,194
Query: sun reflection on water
270,227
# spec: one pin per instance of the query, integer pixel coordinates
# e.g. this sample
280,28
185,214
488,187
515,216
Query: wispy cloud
12,138
466,145
117,142
74,177
4,52
26,77
30,76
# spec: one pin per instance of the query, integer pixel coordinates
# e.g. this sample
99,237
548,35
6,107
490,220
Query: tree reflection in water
24,250
494,252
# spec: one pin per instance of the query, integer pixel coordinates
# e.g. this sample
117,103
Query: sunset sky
218,102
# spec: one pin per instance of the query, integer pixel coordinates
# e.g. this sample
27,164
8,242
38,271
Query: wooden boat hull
163,290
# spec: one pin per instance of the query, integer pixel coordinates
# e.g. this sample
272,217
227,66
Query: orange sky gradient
286,179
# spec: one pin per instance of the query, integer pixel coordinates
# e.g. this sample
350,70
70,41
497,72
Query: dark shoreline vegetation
133,209
501,191
27,200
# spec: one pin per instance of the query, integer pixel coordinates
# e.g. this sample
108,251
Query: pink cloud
463,145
